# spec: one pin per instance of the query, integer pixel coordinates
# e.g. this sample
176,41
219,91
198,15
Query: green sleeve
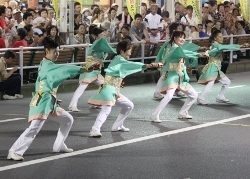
58,73
161,53
125,68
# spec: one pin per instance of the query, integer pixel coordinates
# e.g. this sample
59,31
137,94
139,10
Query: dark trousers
224,66
11,85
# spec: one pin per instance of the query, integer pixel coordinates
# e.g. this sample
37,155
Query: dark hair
242,23
214,34
218,7
176,34
189,7
173,27
26,15
76,4
207,22
111,9
93,6
138,16
123,45
9,54
2,9
96,31
50,43
76,15
235,9
52,27
41,10
28,27
91,27
31,10
21,32
10,8
165,14
125,26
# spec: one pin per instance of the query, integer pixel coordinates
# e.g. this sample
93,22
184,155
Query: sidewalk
146,77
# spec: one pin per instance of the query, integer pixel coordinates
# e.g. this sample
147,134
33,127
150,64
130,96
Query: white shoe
95,107
95,134
121,129
187,116
73,109
9,97
67,150
19,96
201,102
158,95
222,100
156,120
13,156
180,94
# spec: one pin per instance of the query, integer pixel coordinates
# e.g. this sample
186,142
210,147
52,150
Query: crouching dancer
109,94
44,103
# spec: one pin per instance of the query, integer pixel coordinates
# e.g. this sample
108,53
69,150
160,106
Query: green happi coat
212,70
165,49
118,69
50,76
176,74
97,53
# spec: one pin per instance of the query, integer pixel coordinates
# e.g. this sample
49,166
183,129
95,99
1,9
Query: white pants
159,84
24,141
192,96
225,83
126,105
79,91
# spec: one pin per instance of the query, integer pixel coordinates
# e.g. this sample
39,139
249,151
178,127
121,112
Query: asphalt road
214,144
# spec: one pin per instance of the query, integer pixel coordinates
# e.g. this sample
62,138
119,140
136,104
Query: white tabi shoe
13,156
67,150
187,116
155,120
95,107
121,129
222,100
201,102
8,97
95,134
158,95
180,94
19,96
73,109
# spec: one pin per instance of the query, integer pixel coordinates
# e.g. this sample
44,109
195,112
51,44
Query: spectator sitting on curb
10,83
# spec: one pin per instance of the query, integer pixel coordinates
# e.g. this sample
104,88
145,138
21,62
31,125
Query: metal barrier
86,46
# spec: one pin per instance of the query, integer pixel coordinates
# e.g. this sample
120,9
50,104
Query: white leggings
192,96
225,83
79,91
126,105
159,84
24,141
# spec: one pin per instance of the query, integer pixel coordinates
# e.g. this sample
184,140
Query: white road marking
93,149
240,86
10,120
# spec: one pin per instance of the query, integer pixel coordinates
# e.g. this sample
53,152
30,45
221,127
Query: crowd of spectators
22,26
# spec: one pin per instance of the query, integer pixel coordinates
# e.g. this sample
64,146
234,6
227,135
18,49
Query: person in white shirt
188,19
27,18
154,23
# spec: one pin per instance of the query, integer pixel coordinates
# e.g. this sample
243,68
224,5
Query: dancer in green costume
212,73
44,103
176,77
97,53
109,94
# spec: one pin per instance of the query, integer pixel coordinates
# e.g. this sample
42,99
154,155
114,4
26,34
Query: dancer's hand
155,65
204,55
245,45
